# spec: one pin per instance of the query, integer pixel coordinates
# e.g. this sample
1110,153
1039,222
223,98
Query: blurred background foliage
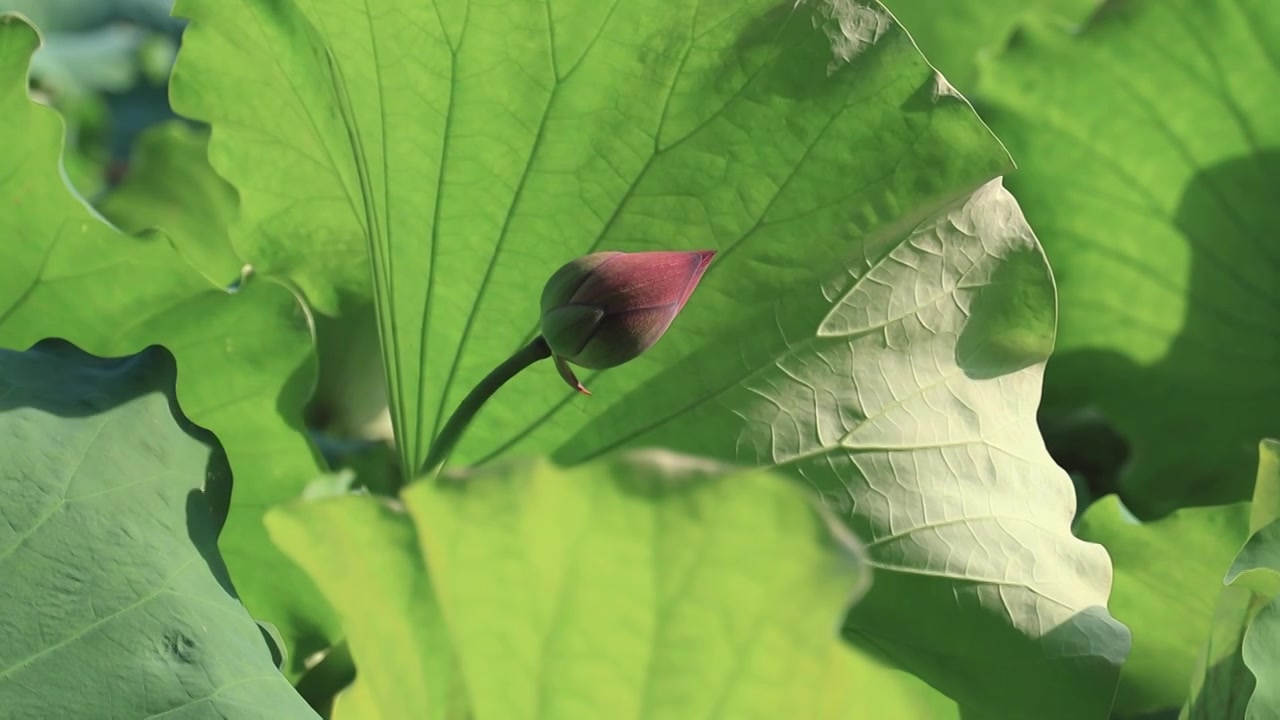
105,66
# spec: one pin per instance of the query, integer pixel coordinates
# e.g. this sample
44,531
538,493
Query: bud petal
604,309
566,281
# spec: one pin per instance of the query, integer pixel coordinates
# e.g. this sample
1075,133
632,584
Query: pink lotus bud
604,309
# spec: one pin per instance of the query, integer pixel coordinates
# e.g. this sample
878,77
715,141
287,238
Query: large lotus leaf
115,603
650,586
1149,148
1237,675
953,34
876,320
245,359
1168,576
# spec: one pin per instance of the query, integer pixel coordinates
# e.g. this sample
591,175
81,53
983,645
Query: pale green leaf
709,593
356,702
1257,567
1266,490
651,586
663,556
1262,656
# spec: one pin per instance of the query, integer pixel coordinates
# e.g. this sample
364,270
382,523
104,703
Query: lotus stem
444,443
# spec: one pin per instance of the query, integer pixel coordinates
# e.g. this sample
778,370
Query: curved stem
471,404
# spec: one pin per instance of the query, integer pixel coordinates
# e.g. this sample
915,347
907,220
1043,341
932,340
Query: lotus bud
604,309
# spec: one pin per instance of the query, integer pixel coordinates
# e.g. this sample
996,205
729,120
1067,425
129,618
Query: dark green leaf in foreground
1238,672
648,586
245,359
875,322
115,603
1149,154
1168,579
